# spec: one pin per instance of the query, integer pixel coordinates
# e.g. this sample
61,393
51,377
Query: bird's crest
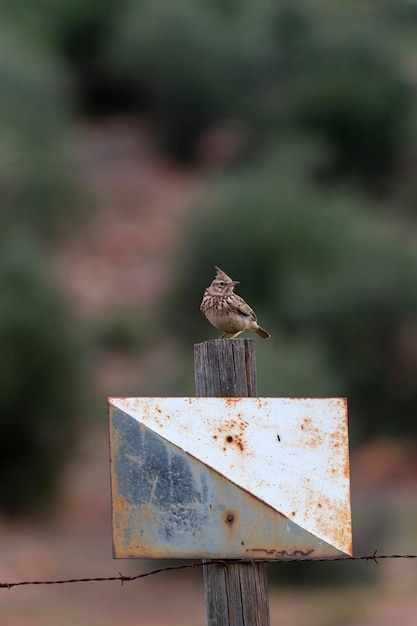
222,275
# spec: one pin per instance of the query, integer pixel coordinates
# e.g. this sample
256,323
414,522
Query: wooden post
236,593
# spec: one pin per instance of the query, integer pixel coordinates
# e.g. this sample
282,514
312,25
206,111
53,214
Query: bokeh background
142,143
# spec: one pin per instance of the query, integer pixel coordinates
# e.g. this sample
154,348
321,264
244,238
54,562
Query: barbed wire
374,557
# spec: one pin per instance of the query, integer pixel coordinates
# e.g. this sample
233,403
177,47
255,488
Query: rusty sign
229,477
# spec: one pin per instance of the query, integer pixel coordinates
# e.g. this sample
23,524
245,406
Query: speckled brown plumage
227,311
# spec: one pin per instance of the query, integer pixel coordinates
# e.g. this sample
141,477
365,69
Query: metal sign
230,477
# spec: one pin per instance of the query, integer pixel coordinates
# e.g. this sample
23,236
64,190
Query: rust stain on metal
284,554
313,436
232,431
236,440
231,402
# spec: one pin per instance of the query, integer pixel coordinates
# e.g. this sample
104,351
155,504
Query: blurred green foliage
358,101
39,379
268,66
188,66
40,356
196,63
121,330
38,191
336,70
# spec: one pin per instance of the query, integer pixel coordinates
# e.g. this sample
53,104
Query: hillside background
144,142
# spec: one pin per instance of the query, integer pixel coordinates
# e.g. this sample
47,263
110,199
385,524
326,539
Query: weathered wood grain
236,593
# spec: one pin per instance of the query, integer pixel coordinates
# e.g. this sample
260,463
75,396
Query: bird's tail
262,333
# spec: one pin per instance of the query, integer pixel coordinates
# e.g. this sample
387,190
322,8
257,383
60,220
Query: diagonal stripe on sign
290,453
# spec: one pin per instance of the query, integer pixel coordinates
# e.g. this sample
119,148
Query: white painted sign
289,453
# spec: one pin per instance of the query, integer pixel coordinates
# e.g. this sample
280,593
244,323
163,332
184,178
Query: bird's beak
235,282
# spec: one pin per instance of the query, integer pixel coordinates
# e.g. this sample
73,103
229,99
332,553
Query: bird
227,311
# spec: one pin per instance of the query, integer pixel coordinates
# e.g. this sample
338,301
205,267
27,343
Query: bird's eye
221,283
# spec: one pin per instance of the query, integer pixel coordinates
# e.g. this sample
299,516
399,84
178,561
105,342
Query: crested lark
226,310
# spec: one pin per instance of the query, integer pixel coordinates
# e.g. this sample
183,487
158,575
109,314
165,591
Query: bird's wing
244,308
202,304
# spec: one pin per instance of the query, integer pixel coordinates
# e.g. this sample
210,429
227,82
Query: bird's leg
224,336
236,334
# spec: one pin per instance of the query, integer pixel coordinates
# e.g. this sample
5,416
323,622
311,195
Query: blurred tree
359,102
269,66
198,63
73,33
191,66
39,379
36,182
39,358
